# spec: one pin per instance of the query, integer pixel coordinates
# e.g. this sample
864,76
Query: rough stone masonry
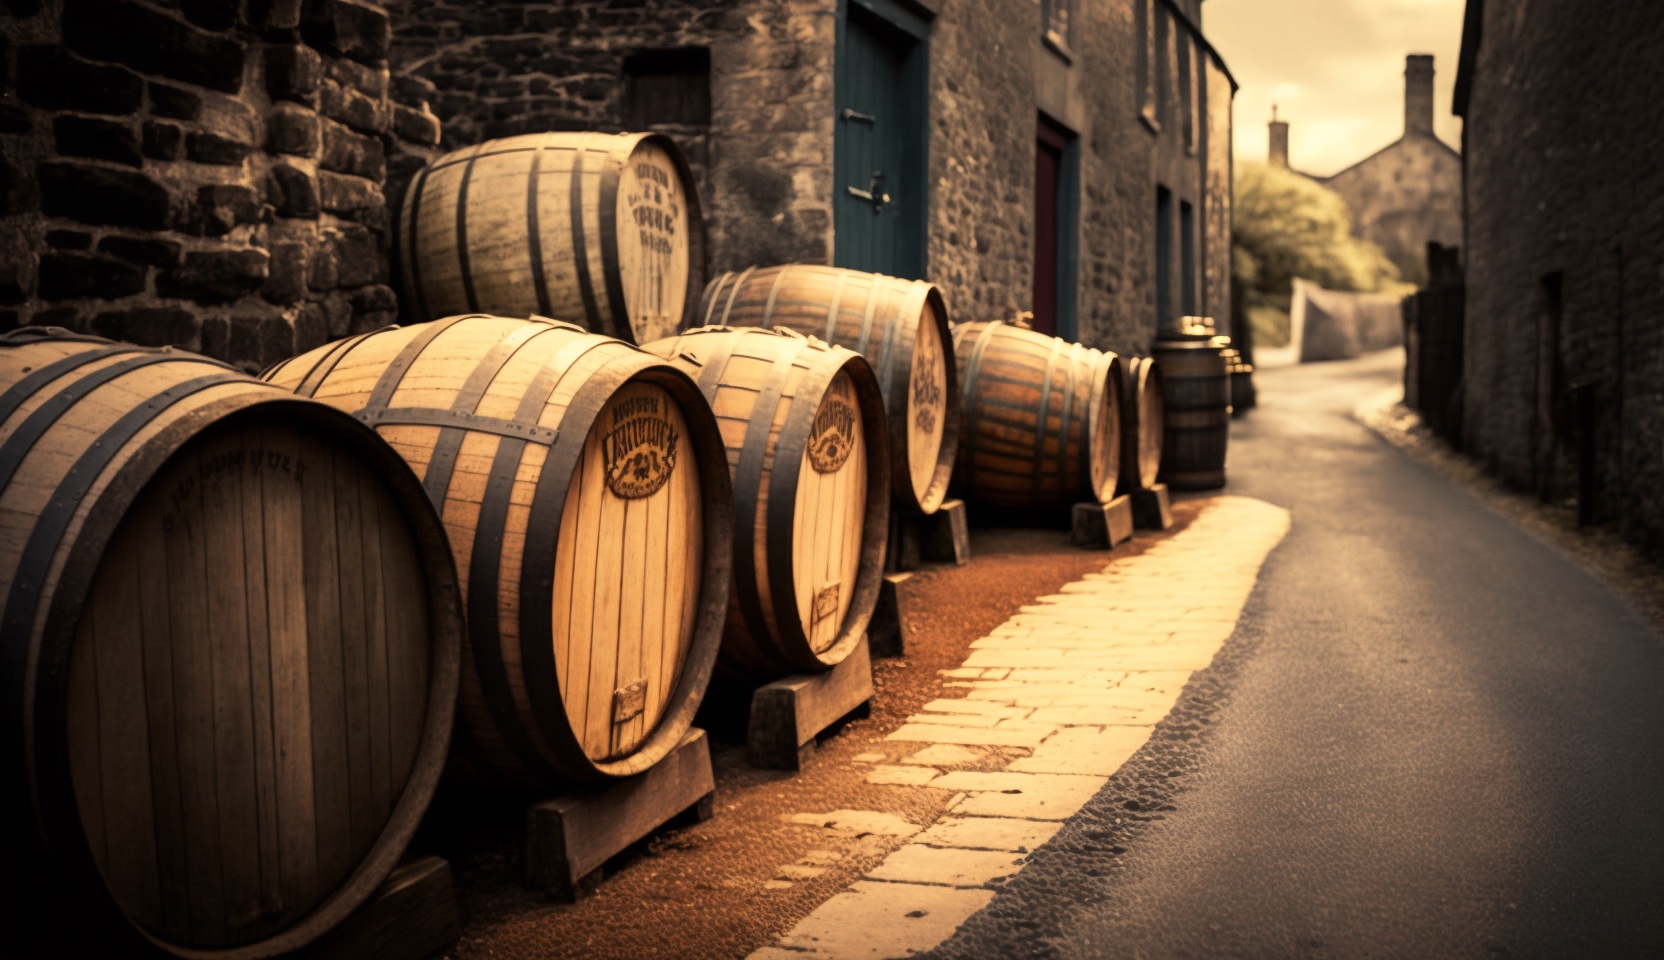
209,174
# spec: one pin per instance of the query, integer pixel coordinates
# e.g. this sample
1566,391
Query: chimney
1279,140
1418,94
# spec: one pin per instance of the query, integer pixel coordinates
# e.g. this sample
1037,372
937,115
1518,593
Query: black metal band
606,215
417,292
464,260
534,235
580,246
457,420
22,390
388,383
1040,419
748,483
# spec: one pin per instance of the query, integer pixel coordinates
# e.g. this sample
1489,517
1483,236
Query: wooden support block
1100,526
885,637
788,714
570,837
947,535
412,917
905,536
1152,509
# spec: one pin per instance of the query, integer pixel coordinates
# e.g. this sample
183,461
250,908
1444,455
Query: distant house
1564,252
1063,157
1406,194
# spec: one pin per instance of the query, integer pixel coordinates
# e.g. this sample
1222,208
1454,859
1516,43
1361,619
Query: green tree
1285,226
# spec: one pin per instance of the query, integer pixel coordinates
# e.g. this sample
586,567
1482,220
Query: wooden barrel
1142,425
583,485
597,227
803,423
230,644
900,326
1041,418
1196,390
1241,373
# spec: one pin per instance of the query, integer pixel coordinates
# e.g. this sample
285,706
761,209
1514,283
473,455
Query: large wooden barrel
1041,418
1142,425
1197,393
600,228
230,645
900,326
585,491
803,423
1241,374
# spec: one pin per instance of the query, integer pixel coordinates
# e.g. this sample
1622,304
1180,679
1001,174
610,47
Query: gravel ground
723,888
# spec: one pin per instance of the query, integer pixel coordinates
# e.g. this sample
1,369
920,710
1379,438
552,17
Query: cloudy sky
1335,70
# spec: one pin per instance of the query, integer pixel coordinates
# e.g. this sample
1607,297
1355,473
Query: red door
1048,173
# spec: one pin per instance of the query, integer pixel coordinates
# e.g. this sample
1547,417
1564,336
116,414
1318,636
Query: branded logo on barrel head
927,393
833,434
640,450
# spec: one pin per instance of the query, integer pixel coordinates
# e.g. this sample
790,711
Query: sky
1335,70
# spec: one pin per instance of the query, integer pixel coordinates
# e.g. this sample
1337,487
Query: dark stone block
414,90
348,152
54,79
292,129
229,119
293,73
293,192
358,258
287,283
259,336
415,126
68,318
18,191
148,326
77,276
216,276
17,279
167,100
69,239
164,141
152,42
323,272
348,27
274,15
221,207
211,148
351,107
15,118
373,308
103,195
370,80
146,250
339,193
216,338
212,14
99,139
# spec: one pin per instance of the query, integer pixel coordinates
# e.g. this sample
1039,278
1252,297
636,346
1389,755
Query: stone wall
201,173
1405,197
764,161
1564,190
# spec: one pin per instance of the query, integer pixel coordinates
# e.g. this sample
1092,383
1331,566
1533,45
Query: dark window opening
1052,206
1145,10
1163,62
1187,90
1187,259
1057,16
1164,258
667,87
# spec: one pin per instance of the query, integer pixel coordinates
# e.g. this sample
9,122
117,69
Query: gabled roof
1435,138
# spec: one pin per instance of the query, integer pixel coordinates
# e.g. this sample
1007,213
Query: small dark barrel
600,228
1241,373
900,326
1042,420
1197,392
584,488
803,422
1143,425
230,645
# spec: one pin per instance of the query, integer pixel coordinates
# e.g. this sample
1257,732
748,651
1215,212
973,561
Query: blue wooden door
880,198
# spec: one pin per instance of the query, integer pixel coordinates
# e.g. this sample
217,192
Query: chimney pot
1418,94
1279,140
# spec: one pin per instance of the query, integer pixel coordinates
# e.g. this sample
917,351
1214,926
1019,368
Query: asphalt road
1431,736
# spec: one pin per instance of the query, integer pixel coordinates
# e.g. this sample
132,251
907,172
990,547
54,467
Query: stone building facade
773,102
1563,388
222,175
1407,194
202,173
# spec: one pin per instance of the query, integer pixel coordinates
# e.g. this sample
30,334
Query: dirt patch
723,888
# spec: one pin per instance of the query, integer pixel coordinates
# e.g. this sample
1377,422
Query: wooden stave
610,321
47,797
1196,397
910,298
1140,451
749,648
1071,462
495,741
